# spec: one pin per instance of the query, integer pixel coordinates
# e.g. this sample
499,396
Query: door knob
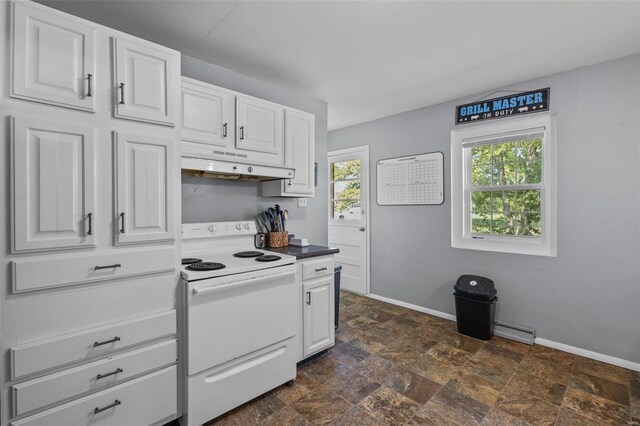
361,229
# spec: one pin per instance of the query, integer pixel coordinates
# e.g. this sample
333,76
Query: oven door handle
235,284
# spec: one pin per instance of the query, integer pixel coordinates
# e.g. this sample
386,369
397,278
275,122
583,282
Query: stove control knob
247,226
212,228
239,227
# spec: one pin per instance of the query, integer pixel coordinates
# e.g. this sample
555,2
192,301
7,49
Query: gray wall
589,295
205,200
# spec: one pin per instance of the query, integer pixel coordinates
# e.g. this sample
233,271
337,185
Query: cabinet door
53,58
299,138
260,126
143,189
208,114
145,81
318,315
53,172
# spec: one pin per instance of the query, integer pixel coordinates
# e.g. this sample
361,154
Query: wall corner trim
630,365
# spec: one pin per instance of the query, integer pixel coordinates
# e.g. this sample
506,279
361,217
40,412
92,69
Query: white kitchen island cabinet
54,58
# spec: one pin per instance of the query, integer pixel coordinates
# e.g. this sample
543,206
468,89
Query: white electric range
240,309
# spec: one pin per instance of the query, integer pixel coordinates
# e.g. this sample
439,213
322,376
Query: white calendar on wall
415,179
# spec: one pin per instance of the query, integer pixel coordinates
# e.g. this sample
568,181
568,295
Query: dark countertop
304,252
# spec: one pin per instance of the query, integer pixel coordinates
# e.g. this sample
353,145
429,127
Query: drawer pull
106,342
115,265
114,372
321,269
106,407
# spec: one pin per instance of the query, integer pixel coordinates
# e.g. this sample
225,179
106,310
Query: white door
208,116
260,130
145,81
348,215
53,185
318,315
300,152
53,58
144,207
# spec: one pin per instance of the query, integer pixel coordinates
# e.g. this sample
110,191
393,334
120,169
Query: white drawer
317,268
38,393
62,270
30,358
151,399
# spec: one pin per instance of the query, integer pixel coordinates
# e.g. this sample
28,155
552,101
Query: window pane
346,170
530,172
347,210
504,152
530,150
481,174
504,174
529,201
346,190
481,201
505,223
530,224
481,154
481,223
504,201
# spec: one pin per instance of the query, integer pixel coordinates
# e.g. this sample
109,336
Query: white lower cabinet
97,375
148,400
318,307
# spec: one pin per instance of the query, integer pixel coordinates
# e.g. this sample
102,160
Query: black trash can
475,306
336,280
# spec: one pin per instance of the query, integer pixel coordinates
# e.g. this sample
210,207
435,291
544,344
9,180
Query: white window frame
461,236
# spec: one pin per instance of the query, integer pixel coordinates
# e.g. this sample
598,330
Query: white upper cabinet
299,137
259,129
54,58
145,80
208,116
144,187
53,185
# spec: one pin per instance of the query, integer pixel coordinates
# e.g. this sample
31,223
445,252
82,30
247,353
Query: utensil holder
278,239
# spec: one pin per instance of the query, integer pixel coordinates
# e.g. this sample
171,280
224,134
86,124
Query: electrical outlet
302,202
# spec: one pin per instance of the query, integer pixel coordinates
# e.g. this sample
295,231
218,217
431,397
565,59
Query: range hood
217,169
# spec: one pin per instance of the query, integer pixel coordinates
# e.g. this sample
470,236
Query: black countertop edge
304,252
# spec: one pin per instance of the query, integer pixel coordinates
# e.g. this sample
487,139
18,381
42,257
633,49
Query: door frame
364,149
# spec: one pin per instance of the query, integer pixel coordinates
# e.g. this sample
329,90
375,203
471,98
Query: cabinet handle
241,132
121,93
224,130
308,298
122,223
115,265
114,372
321,269
106,342
90,219
106,407
89,85
289,182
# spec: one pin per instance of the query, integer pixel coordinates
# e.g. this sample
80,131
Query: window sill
515,247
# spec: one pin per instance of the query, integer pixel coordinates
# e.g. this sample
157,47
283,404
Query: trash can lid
476,287
337,267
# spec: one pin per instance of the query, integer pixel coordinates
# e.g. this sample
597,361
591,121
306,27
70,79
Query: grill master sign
521,103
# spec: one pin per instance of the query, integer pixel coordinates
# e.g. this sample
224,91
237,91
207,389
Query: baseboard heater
515,332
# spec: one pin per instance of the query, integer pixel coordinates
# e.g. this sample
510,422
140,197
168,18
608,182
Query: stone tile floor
392,365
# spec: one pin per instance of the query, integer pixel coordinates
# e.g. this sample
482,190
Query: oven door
229,317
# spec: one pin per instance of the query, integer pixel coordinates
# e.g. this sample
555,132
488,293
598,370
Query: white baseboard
630,365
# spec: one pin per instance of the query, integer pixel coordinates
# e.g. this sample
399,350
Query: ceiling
370,59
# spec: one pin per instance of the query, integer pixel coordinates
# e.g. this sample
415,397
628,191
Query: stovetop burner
248,254
205,266
268,258
190,260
